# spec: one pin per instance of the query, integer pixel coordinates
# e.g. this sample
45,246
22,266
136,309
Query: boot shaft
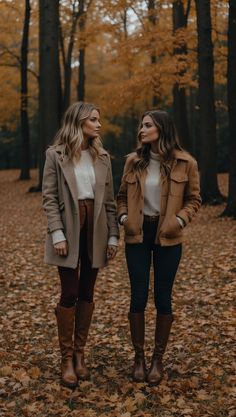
83,317
162,332
65,324
137,330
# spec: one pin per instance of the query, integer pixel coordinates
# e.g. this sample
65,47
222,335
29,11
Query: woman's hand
61,248
111,252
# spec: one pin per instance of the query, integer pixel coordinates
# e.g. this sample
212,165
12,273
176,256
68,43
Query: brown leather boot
65,324
163,326
83,317
137,335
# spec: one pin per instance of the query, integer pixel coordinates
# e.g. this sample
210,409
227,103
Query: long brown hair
70,135
166,143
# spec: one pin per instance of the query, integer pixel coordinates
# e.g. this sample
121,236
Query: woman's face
91,125
149,132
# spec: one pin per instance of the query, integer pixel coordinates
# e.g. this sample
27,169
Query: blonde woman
158,197
82,227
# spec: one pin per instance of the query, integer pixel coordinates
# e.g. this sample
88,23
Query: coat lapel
68,170
100,169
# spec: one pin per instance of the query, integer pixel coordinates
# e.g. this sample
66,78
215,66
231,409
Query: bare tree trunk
25,135
179,94
230,209
49,77
153,20
208,161
81,74
67,58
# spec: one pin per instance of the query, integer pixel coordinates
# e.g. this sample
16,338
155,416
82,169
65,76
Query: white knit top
85,176
152,190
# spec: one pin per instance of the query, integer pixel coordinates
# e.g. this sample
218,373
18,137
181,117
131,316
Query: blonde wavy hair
166,143
70,135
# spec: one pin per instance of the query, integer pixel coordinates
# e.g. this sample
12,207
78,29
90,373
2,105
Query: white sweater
152,190
85,176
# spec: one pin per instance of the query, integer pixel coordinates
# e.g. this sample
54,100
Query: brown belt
151,218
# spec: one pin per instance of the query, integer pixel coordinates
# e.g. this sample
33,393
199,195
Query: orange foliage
119,40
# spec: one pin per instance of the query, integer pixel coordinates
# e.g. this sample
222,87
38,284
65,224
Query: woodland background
125,56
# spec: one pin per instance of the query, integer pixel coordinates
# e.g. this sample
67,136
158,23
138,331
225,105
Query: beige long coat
180,195
60,203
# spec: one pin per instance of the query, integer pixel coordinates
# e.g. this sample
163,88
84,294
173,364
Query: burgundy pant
78,283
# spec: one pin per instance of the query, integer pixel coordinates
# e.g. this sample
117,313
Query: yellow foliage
119,44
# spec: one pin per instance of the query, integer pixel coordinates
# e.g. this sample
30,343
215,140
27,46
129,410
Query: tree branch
9,52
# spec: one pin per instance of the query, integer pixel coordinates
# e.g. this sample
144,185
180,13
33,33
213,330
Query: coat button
141,212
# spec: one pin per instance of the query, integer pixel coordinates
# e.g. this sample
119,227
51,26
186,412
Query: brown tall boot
65,323
83,317
137,326
163,326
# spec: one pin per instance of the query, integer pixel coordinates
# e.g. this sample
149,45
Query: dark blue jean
139,257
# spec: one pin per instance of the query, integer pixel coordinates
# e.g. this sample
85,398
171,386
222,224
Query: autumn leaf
34,372
6,371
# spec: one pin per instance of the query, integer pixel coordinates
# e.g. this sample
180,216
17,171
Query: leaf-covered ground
199,378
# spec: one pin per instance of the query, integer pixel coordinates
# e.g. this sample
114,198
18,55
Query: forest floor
198,380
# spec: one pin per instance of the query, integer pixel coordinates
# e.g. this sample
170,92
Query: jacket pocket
177,184
171,228
131,228
132,189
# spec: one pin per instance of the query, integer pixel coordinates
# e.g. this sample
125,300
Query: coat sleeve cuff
55,225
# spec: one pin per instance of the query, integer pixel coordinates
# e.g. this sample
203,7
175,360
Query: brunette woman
82,227
158,197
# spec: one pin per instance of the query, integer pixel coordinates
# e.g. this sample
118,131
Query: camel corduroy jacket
180,195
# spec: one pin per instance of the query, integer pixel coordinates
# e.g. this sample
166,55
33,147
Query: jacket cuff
182,214
181,222
120,217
